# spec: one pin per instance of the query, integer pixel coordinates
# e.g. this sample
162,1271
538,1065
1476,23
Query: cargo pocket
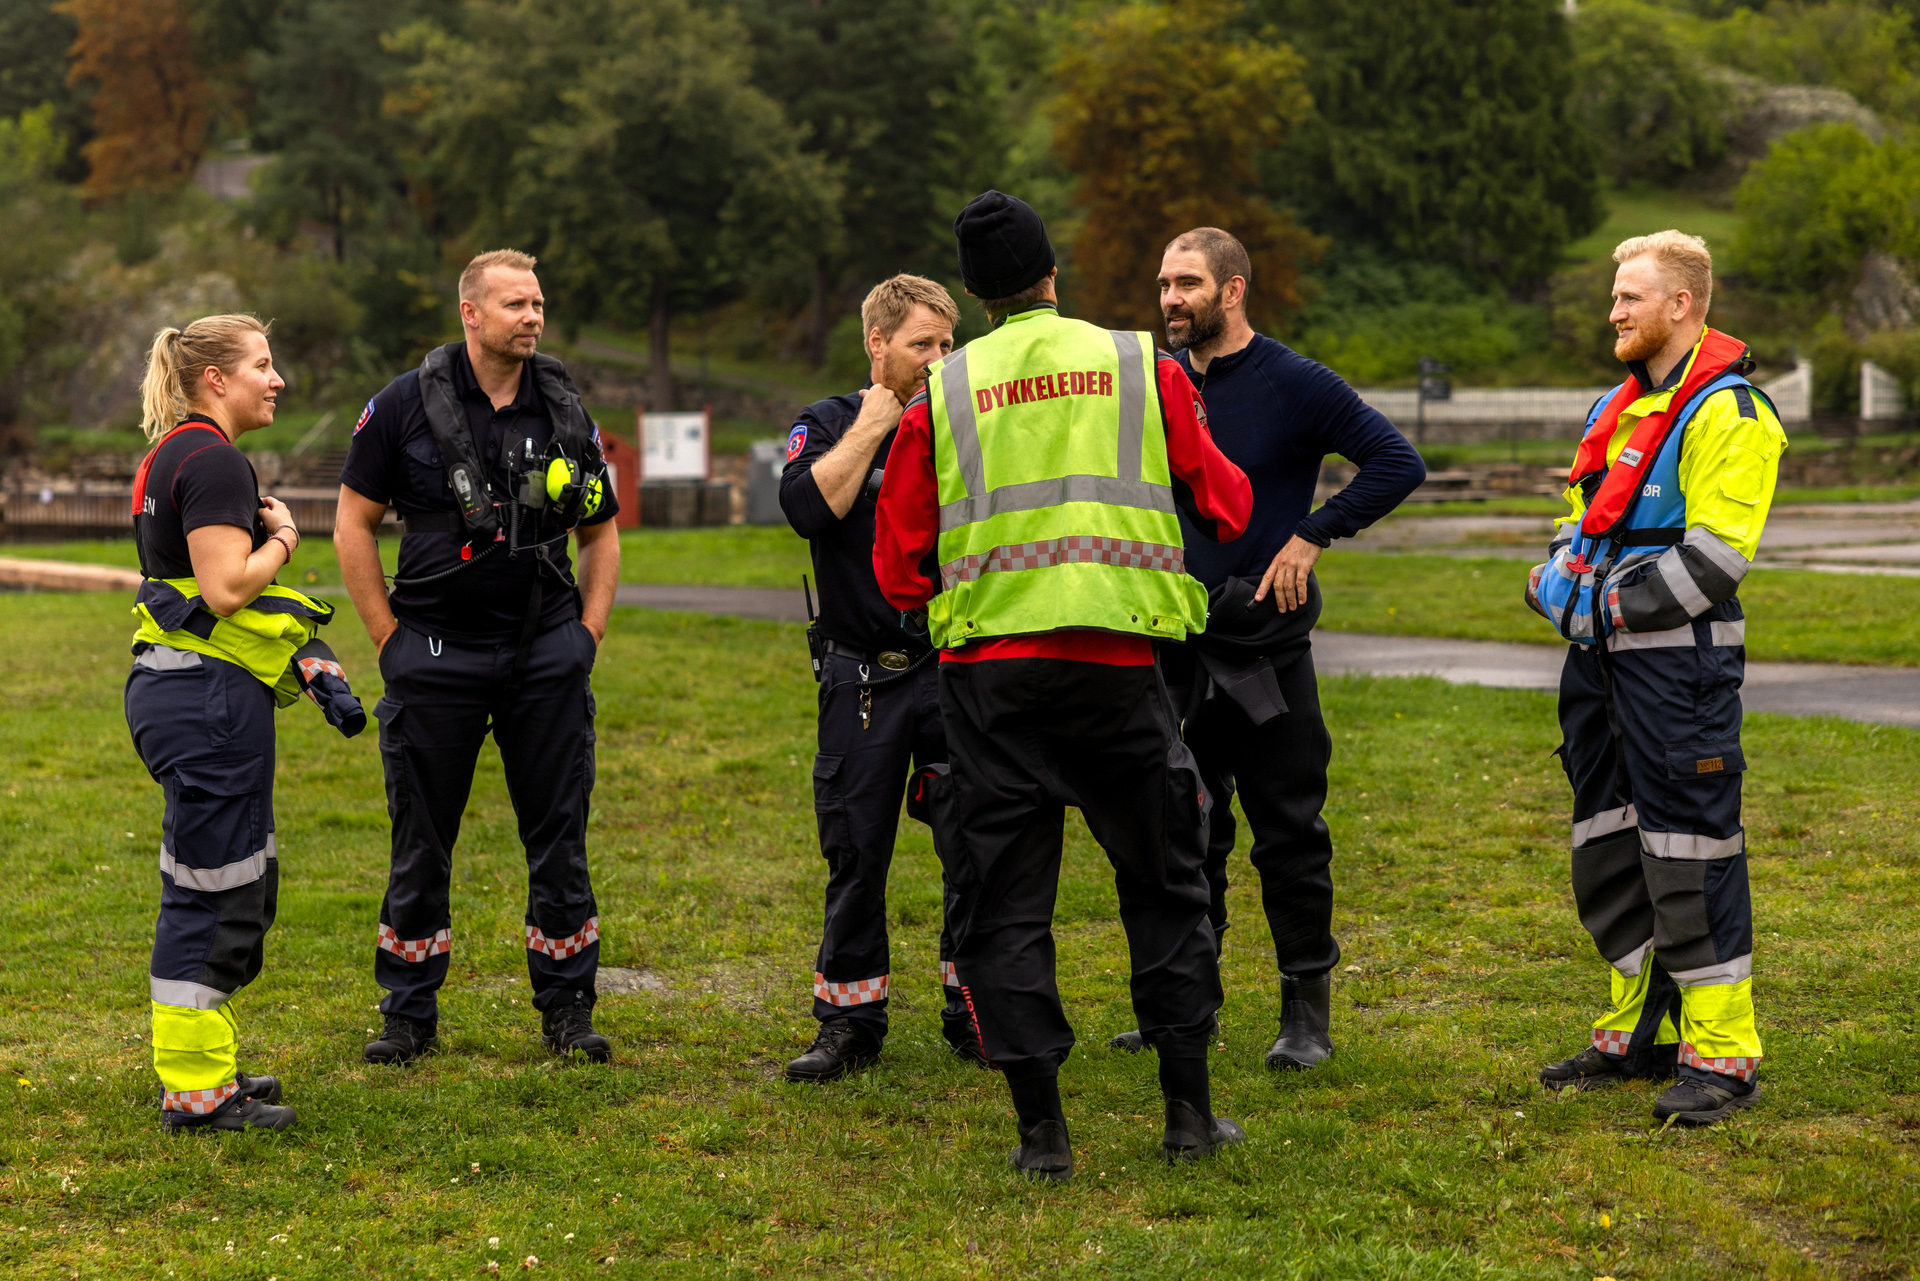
1189,809
1706,760
216,824
830,809
392,715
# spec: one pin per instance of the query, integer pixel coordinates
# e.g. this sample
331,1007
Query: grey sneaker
1690,1101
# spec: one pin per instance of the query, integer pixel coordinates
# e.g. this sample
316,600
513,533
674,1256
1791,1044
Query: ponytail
176,361
162,403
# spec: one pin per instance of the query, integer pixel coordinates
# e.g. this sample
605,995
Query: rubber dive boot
1044,1153
569,1027
1306,1009
1189,1137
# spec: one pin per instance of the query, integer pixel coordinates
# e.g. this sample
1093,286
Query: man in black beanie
1031,507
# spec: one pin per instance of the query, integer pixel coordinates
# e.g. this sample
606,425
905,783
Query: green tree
889,95
623,143
1653,106
1162,116
1441,131
34,70
1818,201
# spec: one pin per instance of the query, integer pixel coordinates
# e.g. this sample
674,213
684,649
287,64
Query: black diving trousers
1029,737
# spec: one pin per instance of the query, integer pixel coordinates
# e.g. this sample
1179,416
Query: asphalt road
1886,695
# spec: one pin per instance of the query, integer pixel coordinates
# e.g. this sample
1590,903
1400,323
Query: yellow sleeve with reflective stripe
1729,465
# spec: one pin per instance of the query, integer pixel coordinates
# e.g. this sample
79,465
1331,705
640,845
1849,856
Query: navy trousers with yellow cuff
204,729
1659,853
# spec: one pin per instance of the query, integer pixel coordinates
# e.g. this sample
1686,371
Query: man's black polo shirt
394,460
852,610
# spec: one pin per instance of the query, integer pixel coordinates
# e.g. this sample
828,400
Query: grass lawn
1792,615
1423,1150
1639,211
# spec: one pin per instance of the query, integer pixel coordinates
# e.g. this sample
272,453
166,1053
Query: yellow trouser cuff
1718,1021
195,1049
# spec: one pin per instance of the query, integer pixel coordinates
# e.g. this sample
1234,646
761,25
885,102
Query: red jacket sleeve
906,524
1213,493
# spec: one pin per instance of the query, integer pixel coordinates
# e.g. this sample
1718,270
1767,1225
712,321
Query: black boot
264,1088
402,1040
1190,1135
1133,1042
965,1044
1691,1101
842,1046
248,1113
1045,1151
569,1027
1588,1070
1306,1009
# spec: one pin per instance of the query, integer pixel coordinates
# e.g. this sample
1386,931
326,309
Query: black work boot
842,1046
569,1027
247,1114
1691,1101
1190,1135
1306,1009
1588,1070
264,1088
402,1040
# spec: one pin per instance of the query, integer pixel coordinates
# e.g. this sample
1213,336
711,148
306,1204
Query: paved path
1888,695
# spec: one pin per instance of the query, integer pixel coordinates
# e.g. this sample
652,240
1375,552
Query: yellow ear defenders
564,485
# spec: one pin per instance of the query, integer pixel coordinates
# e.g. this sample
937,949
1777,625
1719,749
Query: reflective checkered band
198,1102
1079,549
312,667
1608,1041
949,977
415,949
858,992
560,949
1743,1067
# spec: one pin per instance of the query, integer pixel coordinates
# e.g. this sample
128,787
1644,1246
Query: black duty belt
434,523
893,660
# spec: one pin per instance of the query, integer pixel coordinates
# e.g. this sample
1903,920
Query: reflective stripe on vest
261,637
1048,471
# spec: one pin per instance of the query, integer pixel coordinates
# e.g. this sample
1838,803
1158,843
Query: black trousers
1279,770
871,737
1031,736
442,699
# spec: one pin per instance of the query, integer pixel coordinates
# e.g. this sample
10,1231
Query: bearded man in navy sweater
1251,703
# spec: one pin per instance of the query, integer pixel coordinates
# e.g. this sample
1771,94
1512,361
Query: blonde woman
213,655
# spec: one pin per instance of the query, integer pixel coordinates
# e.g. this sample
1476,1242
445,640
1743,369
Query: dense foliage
1410,174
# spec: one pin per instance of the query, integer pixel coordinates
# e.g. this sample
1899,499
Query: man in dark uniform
1251,701
879,693
491,460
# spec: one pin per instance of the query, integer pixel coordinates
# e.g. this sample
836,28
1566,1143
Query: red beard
1644,340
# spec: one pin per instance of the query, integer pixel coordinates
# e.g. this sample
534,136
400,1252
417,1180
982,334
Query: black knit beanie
1003,245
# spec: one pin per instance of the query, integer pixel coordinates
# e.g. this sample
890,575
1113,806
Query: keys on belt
891,659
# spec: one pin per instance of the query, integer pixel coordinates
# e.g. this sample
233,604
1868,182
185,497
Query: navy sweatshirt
1277,414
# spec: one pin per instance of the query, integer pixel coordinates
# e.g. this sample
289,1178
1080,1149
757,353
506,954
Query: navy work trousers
204,729
442,699
859,778
1029,737
1659,854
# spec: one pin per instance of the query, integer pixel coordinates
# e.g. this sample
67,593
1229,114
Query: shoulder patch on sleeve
364,415
1744,399
796,441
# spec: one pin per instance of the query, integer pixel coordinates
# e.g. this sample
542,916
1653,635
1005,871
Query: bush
1653,106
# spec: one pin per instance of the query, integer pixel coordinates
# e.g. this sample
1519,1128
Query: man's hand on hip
1287,576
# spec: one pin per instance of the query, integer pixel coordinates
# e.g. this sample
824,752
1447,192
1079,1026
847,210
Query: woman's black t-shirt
196,479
